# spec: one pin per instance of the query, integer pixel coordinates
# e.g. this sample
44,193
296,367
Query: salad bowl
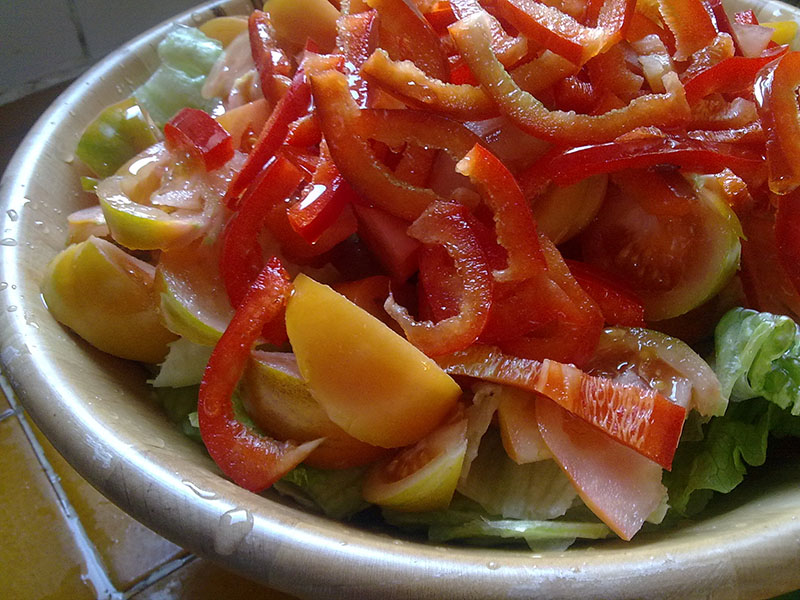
97,411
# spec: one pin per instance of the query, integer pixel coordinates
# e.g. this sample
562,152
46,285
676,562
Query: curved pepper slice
514,224
268,57
473,40
571,165
733,74
241,258
776,99
640,418
509,50
348,130
196,132
787,236
446,224
691,24
562,33
252,461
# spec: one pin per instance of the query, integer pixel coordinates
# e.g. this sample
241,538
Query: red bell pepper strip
565,35
509,50
241,257
320,206
515,226
197,133
787,235
734,74
571,165
348,130
472,38
252,461
776,98
293,105
619,305
691,24
446,224
406,35
642,419
413,86
356,39
610,72
440,16
267,55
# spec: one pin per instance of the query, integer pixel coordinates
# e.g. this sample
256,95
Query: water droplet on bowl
232,528
8,242
12,214
205,495
492,565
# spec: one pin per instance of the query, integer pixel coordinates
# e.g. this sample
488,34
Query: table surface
61,538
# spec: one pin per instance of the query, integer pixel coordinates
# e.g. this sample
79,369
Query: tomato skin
424,476
650,234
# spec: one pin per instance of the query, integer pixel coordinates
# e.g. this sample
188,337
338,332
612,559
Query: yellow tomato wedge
280,403
371,381
423,476
224,29
106,296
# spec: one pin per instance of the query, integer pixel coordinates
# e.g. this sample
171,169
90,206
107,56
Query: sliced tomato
619,305
651,235
620,486
423,476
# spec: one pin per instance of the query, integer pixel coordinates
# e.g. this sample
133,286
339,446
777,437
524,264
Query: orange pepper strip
348,130
413,86
472,37
642,419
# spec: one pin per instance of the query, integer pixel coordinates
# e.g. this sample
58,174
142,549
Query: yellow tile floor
61,539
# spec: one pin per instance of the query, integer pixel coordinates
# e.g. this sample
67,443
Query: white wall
44,42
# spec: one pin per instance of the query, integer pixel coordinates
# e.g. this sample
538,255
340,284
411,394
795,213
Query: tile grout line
7,413
96,571
160,573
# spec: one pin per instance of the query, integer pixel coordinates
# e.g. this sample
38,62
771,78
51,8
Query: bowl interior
98,412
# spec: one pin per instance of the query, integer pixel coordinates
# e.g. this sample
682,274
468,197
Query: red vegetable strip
563,34
733,74
787,236
293,105
572,165
356,39
321,205
640,418
776,98
252,461
446,224
406,35
690,23
472,38
514,224
619,305
241,257
266,53
196,132
509,50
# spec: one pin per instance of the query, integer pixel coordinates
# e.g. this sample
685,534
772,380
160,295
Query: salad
496,272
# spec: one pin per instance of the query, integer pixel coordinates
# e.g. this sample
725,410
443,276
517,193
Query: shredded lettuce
468,522
180,404
336,493
184,364
758,356
757,360
187,56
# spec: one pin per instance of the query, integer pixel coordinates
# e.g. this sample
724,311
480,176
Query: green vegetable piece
758,355
116,135
336,493
187,55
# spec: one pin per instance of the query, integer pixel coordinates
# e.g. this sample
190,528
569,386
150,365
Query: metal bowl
96,411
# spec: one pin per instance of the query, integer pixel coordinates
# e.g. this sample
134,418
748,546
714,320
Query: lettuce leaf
467,521
758,356
757,360
336,493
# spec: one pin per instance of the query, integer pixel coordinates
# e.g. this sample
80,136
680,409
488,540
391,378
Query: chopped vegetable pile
497,270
